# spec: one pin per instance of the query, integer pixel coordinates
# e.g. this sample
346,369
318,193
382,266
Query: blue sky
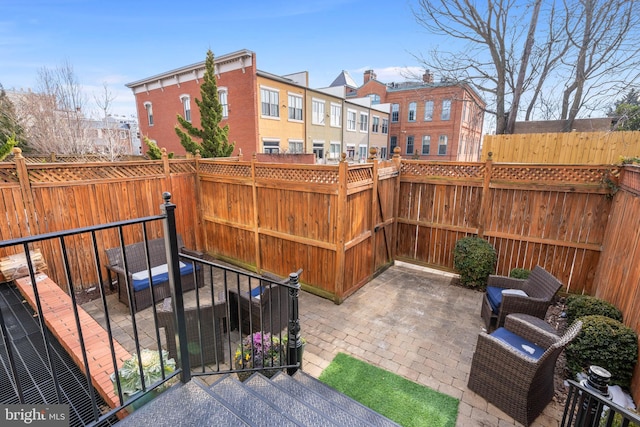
119,41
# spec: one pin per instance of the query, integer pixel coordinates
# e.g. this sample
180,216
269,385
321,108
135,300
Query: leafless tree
112,139
53,115
590,46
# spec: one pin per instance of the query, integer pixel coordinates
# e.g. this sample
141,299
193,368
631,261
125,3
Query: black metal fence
232,321
584,408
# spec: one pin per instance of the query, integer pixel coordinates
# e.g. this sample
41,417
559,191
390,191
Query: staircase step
297,409
346,403
184,404
320,403
251,405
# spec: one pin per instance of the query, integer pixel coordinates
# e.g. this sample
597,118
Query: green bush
520,273
475,259
607,343
585,305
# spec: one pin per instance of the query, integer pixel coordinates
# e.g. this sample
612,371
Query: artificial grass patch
400,400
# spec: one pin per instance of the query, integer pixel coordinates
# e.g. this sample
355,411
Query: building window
413,109
446,110
295,107
336,115
224,102
149,108
362,153
318,150
428,111
186,107
385,126
395,113
351,120
270,99
409,144
334,150
351,151
426,145
393,141
375,124
271,146
364,122
123,135
375,98
442,145
295,146
383,152
317,112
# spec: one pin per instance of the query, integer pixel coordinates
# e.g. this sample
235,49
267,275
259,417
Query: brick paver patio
408,320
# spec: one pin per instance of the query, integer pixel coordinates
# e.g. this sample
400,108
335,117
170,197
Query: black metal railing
204,328
585,408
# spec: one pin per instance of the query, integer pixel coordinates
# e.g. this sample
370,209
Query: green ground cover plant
405,402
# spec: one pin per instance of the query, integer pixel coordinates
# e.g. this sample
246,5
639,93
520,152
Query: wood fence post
484,202
25,189
341,220
167,170
200,215
256,232
374,207
396,201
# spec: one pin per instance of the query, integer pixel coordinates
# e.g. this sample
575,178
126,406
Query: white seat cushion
514,292
160,269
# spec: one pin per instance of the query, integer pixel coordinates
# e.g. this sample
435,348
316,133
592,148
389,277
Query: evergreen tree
10,130
628,111
213,139
154,153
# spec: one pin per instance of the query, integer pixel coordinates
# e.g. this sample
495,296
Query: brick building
266,113
429,120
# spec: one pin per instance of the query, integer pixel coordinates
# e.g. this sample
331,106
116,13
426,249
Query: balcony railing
584,408
225,306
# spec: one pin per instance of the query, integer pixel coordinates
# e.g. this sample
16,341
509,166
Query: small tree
10,129
214,140
154,153
6,147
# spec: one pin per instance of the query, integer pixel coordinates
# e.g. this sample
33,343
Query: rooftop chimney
427,77
369,75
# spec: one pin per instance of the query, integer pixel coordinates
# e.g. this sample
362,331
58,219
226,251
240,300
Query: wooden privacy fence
44,198
335,222
547,215
586,148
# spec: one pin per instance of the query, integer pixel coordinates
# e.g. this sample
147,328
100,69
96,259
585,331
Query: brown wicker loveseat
138,272
513,367
531,296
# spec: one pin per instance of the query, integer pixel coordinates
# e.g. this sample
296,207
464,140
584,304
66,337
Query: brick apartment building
273,114
429,120
266,113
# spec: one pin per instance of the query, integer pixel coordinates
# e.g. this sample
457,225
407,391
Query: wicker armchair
509,378
540,288
207,320
267,309
137,262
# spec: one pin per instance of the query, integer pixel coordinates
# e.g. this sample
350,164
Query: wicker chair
540,288
267,310
207,320
137,262
517,383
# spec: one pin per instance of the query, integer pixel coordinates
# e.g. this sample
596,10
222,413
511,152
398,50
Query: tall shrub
475,259
585,305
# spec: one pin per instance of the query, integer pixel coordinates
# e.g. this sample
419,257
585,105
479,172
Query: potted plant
259,350
129,374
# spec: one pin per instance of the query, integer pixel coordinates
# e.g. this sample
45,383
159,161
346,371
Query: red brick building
429,120
160,98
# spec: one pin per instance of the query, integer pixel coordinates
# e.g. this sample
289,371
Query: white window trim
324,112
148,108
224,90
379,121
331,145
272,89
300,97
355,120
296,141
339,121
366,128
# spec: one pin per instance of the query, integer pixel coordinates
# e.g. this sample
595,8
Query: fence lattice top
8,174
552,174
88,172
453,170
313,176
226,169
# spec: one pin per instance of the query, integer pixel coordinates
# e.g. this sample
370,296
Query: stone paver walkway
408,320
